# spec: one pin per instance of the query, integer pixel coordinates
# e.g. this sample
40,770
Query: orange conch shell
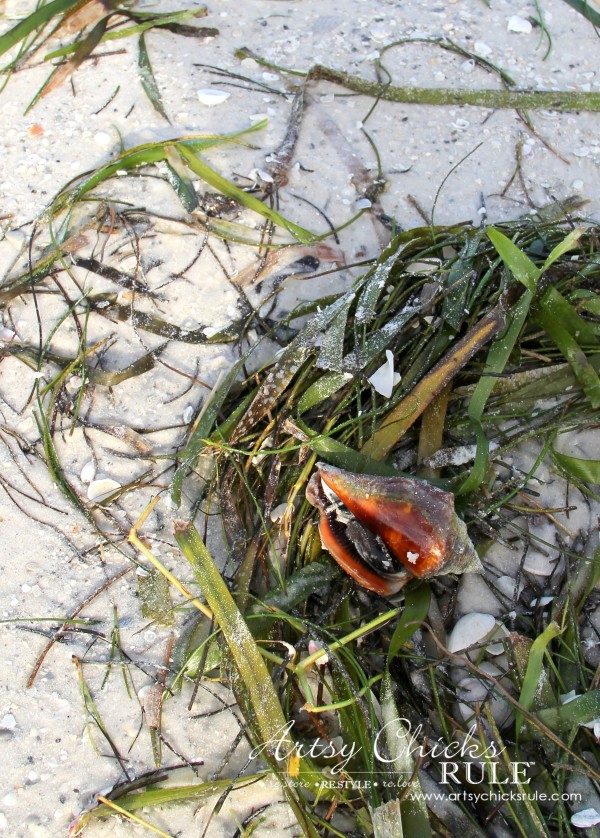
385,531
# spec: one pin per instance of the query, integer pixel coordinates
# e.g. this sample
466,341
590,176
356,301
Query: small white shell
258,175
539,564
519,24
541,602
498,648
314,646
384,379
429,267
99,490
88,472
585,819
8,722
469,630
471,690
211,96
482,48
595,726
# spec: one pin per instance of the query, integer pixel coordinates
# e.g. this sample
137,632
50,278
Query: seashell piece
481,48
99,490
471,629
470,690
384,379
585,819
386,530
88,472
519,24
211,96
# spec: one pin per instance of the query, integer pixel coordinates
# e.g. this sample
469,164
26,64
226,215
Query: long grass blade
148,79
413,809
586,470
256,691
406,413
66,69
39,18
517,99
497,359
225,187
416,606
531,679
585,8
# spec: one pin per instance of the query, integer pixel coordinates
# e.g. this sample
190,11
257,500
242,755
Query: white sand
50,769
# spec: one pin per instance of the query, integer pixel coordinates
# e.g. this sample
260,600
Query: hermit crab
385,531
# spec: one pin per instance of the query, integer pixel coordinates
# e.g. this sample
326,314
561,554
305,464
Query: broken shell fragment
385,531
100,490
472,628
385,379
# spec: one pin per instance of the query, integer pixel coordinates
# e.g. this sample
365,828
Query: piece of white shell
470,689
258,175
541,602
516,23
8,722
595,726
73,384
188,413
385,379
585,819
88,472
211,96
497,648
469,630
539,564
99,490
474,690
266,446
501,709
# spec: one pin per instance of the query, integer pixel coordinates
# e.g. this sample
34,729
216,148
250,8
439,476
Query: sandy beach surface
53,758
